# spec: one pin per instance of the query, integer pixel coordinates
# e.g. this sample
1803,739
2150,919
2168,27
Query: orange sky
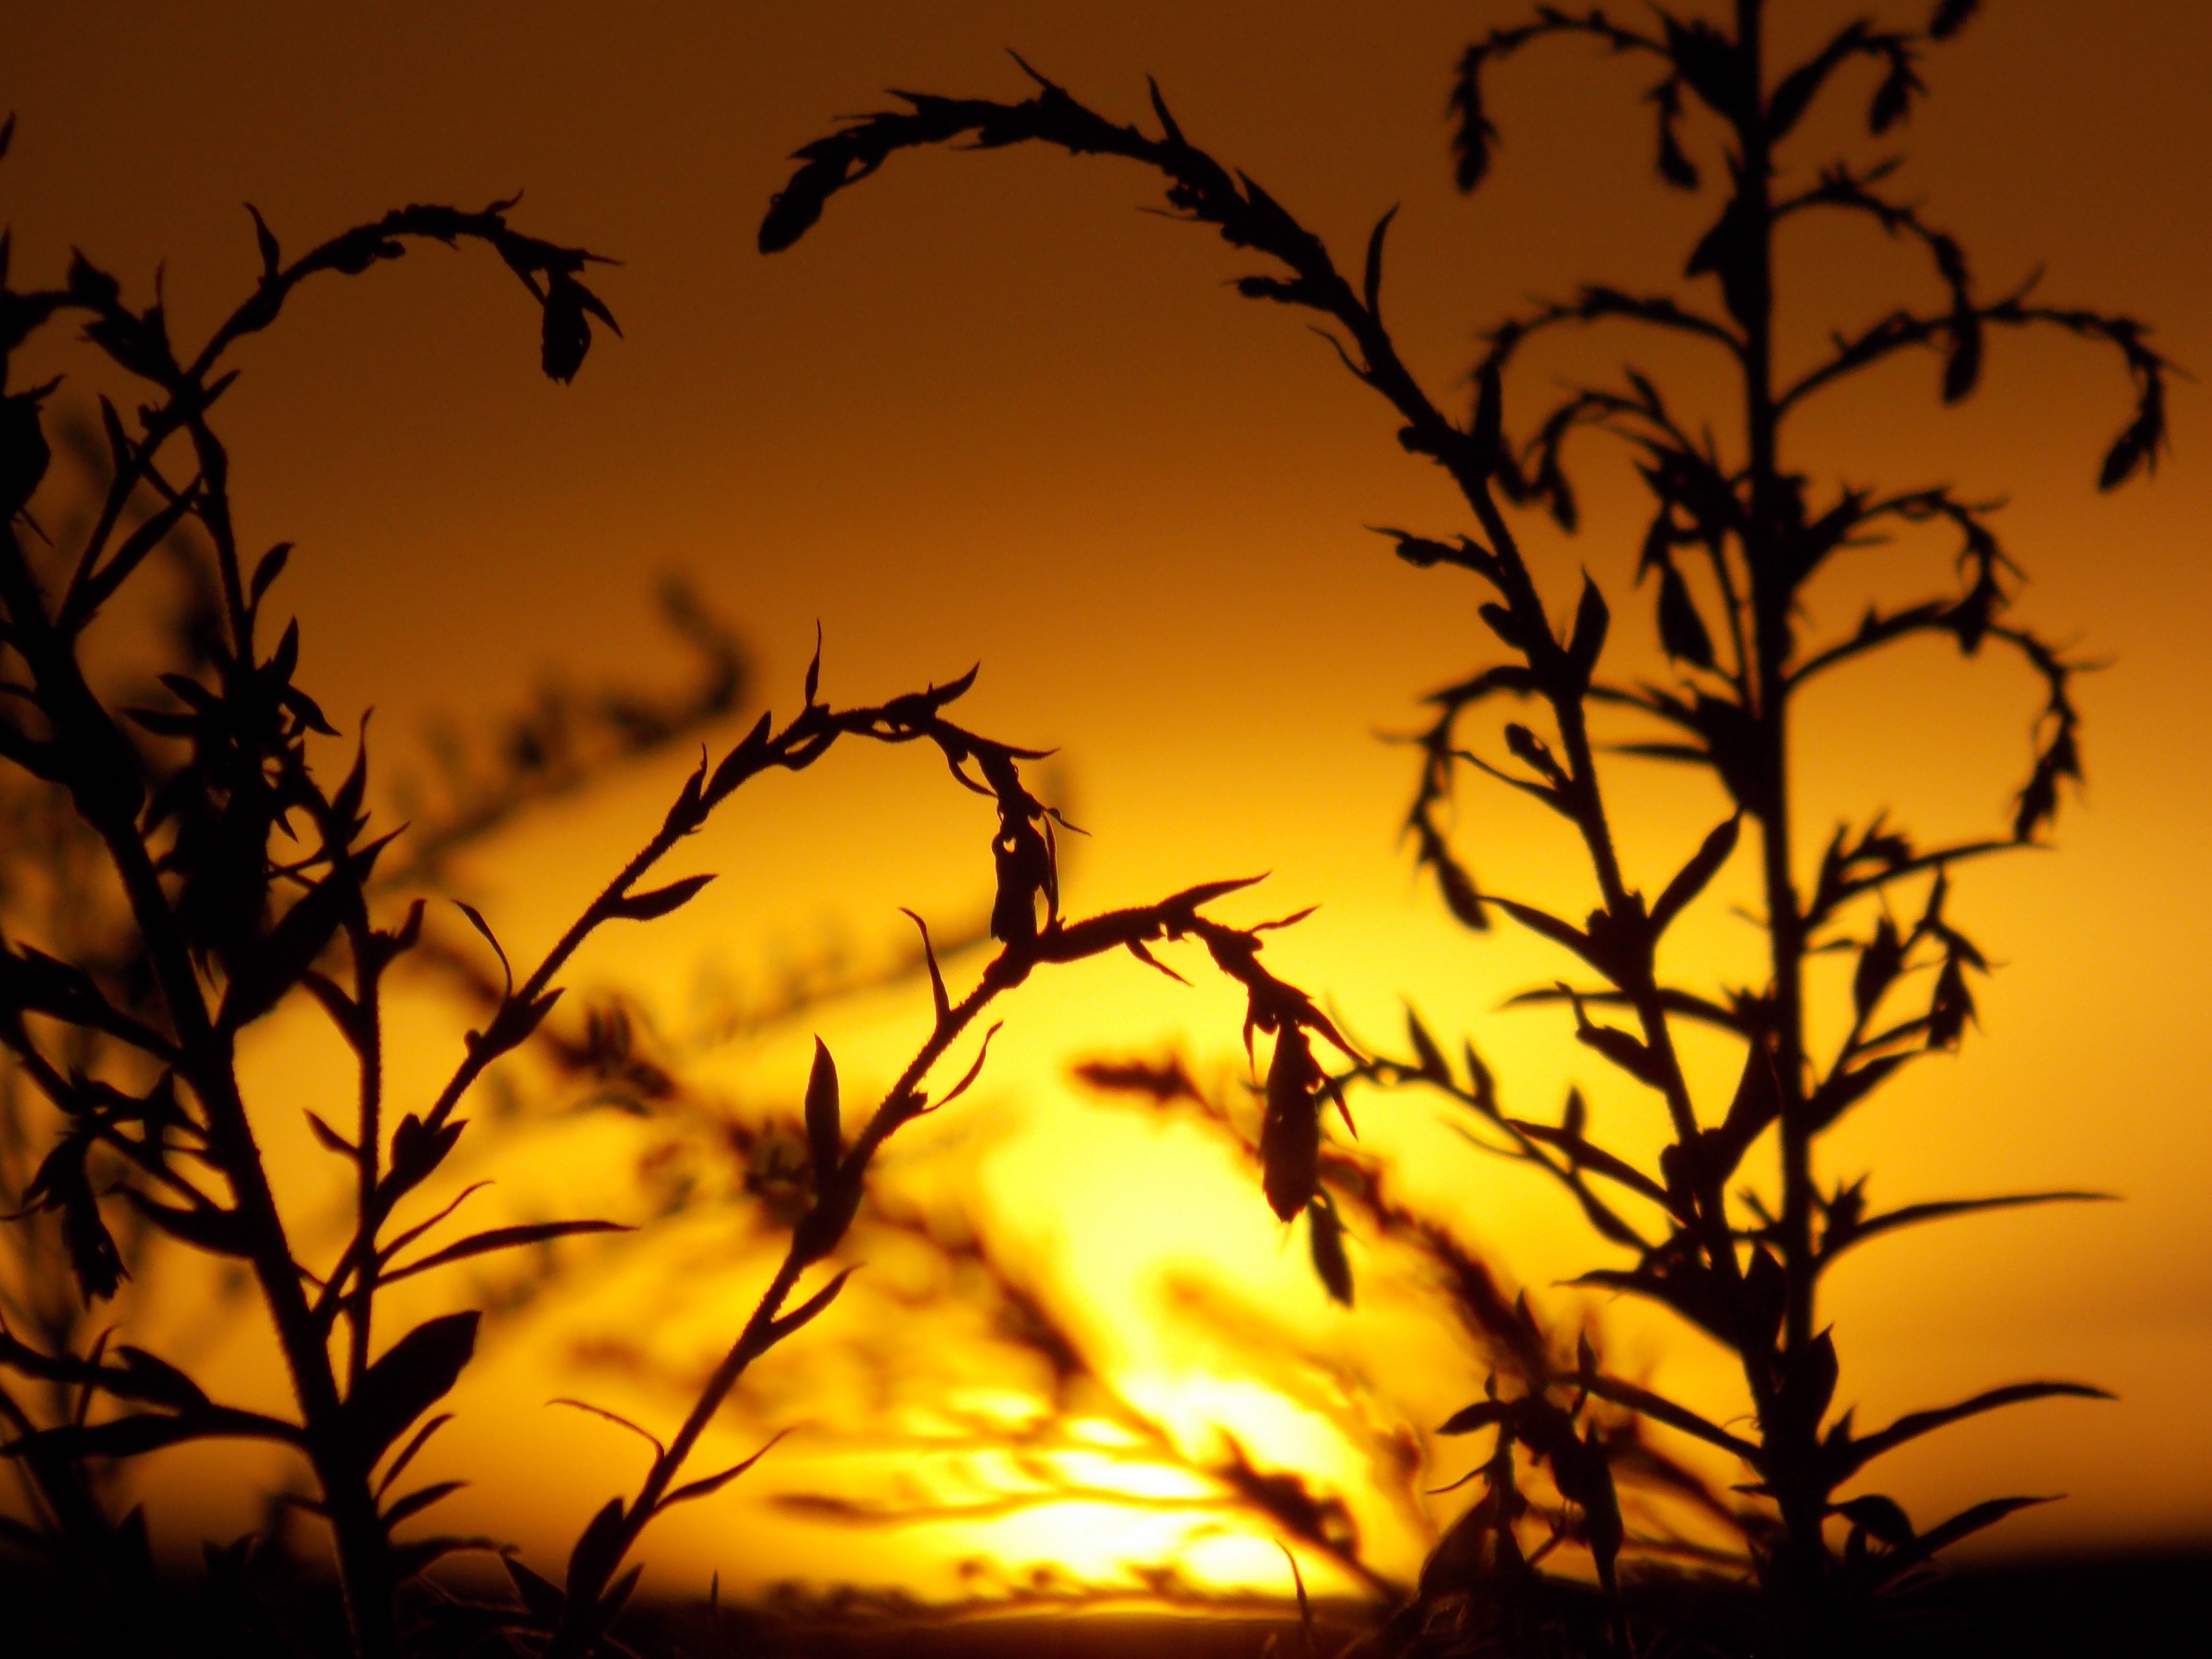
987,411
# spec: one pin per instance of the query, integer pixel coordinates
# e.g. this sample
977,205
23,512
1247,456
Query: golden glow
988,412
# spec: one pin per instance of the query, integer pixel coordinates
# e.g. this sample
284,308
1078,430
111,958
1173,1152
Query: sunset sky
988,412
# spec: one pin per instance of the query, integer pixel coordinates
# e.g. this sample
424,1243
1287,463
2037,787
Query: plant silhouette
963,1303
239,878
1735,534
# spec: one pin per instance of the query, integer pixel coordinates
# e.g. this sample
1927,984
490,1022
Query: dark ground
2123,1605
2138,1604
2119,1605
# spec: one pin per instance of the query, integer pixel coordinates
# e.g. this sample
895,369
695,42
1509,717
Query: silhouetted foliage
238,878
1735,537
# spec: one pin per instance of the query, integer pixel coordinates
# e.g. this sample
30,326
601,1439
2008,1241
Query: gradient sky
988,412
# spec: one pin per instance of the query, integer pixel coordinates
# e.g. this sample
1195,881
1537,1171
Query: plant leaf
502,1238
331,1138
1682,632
1433,1065
807,1310
597,1551
709,1485
1950,17
660,901
1589,1155
477,921
1942,1537
1592,617
413,1375
938,998
1325,1241
1861,1452
418,1500
270,567
1691,880
1882,1517
1467,1419
128,1436
825,1134
1911,1215
416,1442
1660,1409
1372,287
540,1595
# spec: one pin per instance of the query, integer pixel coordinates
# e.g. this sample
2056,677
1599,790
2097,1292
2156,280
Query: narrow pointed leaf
477,921
272,259
1589,1156
1682,632
975,1070
1549,926
331,1138
595,1553
1467,1419
825,1135
942,1002
1950,17
540,1595
1964,1524
1691,880
660,901
1433,1065
1325,1242
1592,618
1882,1517
270,567
129,1437
502,1238
709,1485
1372,287
806,1311
1489,416
412,1375
615,1417
416,1442
1911,1215
418,1500
1914,1424
1660,1409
